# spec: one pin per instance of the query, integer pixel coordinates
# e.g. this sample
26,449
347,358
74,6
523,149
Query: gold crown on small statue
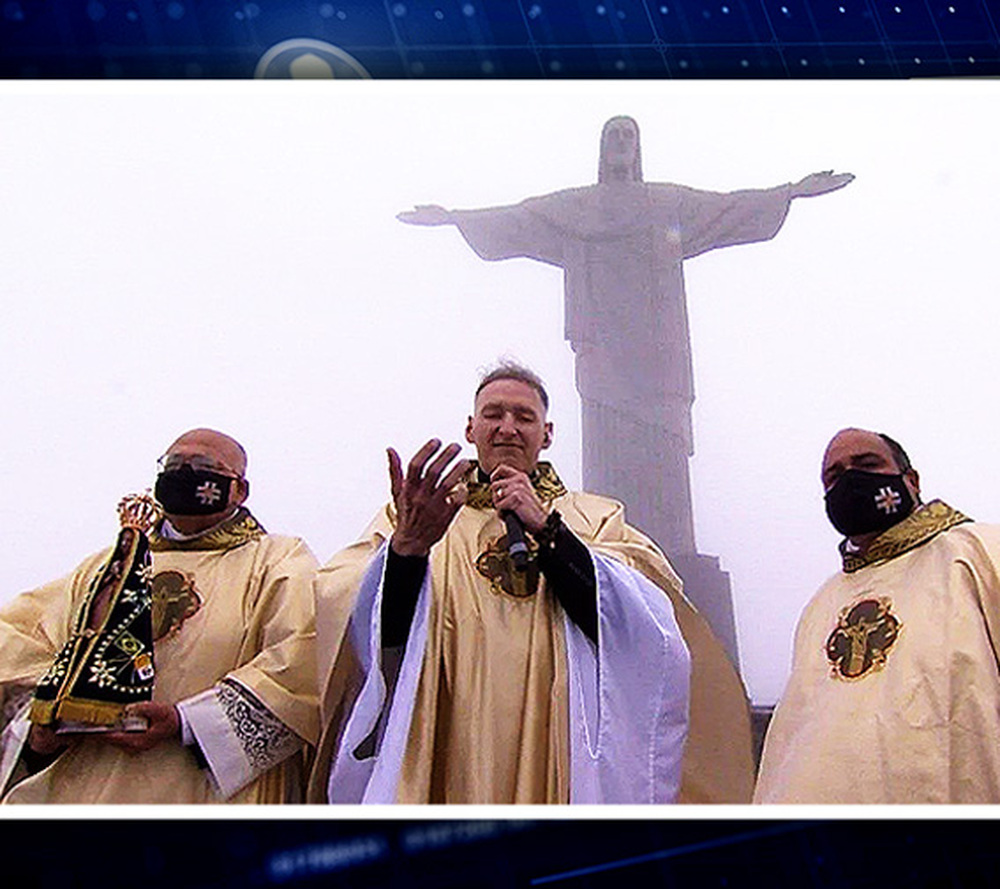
138,511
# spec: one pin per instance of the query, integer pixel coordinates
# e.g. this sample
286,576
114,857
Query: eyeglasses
170,462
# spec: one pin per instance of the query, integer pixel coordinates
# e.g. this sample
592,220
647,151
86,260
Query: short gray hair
507,369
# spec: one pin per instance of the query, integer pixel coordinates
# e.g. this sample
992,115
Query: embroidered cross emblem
497,567
208,493
175,599
887,500
860,642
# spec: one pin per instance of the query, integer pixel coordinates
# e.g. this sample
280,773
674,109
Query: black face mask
187,491
867,502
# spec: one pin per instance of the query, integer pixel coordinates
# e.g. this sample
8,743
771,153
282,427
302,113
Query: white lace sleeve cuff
238,736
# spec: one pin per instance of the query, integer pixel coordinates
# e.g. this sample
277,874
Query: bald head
862,449
199,463
870,452
869,484
216,446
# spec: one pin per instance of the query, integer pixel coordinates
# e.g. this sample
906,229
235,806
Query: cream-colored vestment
894,695
235,637
491,715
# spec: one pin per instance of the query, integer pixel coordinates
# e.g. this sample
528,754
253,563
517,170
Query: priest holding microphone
455,675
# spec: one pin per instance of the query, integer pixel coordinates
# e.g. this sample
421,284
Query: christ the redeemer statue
622,244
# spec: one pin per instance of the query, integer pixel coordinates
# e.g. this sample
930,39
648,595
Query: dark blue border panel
552,39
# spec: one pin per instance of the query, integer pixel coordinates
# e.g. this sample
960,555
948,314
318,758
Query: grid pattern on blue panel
554,39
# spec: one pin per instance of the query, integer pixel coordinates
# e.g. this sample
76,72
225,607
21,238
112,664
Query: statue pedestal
708,588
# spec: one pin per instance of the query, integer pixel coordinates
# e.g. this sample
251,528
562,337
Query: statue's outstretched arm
496,232
820,183
426,214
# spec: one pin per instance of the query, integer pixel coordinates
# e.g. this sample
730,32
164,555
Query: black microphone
516,546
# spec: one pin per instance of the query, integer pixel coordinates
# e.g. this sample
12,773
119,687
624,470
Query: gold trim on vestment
917,528
229,534
544,480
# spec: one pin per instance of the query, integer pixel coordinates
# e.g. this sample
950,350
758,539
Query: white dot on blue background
534,12
469,10
438,15
326,11
399,10
600,10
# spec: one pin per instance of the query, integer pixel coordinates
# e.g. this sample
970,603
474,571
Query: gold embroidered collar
229,534
544,480
917,528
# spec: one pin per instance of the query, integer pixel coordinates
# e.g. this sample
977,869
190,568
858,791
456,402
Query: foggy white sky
227,255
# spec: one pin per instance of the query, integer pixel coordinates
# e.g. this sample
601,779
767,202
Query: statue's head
621,159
